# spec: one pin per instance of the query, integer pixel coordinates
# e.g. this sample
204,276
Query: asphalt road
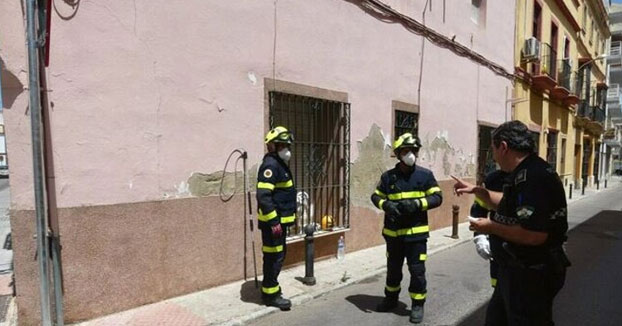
459,285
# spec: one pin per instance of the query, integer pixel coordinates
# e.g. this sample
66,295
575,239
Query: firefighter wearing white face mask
406,193
276,198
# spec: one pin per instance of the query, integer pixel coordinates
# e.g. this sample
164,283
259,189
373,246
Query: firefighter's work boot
416,314
387,304
279,302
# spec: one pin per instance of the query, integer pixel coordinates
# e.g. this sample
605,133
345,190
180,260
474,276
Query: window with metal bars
320,158
405,122
485,162
551,150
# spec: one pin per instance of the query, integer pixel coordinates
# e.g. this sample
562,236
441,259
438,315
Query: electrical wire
389,14
243,154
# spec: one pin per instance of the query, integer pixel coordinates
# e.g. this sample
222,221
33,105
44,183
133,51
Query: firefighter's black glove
409,206
391,208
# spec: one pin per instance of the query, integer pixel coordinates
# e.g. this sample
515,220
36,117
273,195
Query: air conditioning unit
531,50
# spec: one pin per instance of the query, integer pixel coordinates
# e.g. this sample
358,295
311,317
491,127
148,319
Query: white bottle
341,248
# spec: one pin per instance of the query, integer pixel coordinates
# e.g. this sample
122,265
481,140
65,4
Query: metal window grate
320,159
406,122
485,162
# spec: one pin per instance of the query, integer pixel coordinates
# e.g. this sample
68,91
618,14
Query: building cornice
562,6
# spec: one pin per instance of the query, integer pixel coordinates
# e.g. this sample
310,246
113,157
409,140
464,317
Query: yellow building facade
555,68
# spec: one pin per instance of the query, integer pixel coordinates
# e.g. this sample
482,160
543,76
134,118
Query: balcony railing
598,114
564,74
616,49
585,109
613,93
548,61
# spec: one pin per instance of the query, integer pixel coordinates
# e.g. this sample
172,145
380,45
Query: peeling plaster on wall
374,158
454,161
208,184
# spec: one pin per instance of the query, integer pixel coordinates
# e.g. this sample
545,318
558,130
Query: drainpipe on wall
37,162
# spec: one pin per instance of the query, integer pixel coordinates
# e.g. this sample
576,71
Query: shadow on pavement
249,293
592,291
368,303
477,318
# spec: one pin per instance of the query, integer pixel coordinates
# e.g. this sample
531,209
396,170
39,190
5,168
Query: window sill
318,234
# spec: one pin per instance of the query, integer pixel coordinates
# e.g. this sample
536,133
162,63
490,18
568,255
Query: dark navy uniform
494,182
406,235
529,276
276,198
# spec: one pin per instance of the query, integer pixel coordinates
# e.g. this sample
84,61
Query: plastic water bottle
341,248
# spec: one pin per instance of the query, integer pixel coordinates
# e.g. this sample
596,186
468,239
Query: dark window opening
551,150
405,122
537,19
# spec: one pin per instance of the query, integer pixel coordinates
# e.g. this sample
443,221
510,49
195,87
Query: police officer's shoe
387,304
416,314
279,302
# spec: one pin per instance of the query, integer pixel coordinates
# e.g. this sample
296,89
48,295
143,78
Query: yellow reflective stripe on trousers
393,288
380,203
424,204
271,290
407,195
266,217
272,249
432,190
493,282
285,184
482,204
417,296
288,219
409,231
423,257
380,193
265,185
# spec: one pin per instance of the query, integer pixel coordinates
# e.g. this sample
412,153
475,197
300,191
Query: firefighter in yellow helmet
406,193
276,198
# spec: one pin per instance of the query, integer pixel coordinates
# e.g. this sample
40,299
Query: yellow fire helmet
279,134
406,140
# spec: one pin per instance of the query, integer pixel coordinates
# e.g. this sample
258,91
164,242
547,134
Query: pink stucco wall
145,93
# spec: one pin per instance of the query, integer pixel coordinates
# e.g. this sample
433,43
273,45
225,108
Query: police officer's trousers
415,254
524,296
274,251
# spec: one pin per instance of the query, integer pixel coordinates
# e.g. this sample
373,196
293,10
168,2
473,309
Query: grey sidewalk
239,302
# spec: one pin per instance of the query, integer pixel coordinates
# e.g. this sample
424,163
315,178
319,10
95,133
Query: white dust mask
285,154
409,159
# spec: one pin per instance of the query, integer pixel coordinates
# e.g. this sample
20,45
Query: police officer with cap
406,193
527,231
276,198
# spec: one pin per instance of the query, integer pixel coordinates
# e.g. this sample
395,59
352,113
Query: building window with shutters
320,158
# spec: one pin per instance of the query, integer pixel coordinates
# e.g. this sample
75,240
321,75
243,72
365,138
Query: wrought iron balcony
545,71
615,53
